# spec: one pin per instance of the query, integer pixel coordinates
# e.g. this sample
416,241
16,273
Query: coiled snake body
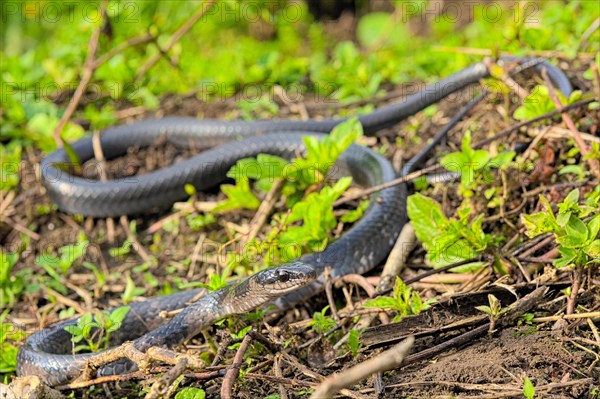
364,246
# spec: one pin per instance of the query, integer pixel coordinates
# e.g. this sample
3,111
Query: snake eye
283,277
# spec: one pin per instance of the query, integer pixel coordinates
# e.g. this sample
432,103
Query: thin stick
187,25
134,241
387,360
20,228
263,212
573,316
391,183
233,371
195,253
588,33
83,83
99,155
397,258
572,299
134,41
583,148
488,52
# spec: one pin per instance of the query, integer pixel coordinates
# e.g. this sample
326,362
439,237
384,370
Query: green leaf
574,169
479,159
503,159
593,227
355,214
131,291
528,388
594,250
454,162
238,196
568,256
71,154
117,316
576,228
537,103
353,342
373,28
191,393
426,217
190,189
381,303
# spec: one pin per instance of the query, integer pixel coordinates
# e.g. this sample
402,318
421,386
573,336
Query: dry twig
89,68
234,370
583,148
387,360
183,29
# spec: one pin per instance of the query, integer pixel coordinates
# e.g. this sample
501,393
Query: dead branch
183,29
88,71
387,360
234,370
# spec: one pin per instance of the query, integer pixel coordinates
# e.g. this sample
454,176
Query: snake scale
47,353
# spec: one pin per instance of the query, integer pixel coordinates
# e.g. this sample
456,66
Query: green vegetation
11,284
404,301
446,240
494,310
309,225
298,56
95,329
190,393
9,334
575,228
538,103
320,323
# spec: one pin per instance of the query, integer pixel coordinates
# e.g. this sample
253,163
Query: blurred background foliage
239,43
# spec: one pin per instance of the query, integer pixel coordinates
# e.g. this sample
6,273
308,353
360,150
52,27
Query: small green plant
404,300
11,284
122,251
526,318
538,103
261,108
494,310
474,165
215,281
318,220
9,334
309,225
240,334
131,291
466,162
354,342
575,229
9,167
446,240
528,388
320,323
68,255
198,221
57,267
190,393
95,329
238,196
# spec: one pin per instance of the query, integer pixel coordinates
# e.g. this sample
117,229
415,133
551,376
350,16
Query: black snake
365,245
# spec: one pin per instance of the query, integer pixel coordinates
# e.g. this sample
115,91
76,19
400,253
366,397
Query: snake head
285,278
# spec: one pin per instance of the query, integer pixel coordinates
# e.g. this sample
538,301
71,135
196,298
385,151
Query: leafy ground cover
513,219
